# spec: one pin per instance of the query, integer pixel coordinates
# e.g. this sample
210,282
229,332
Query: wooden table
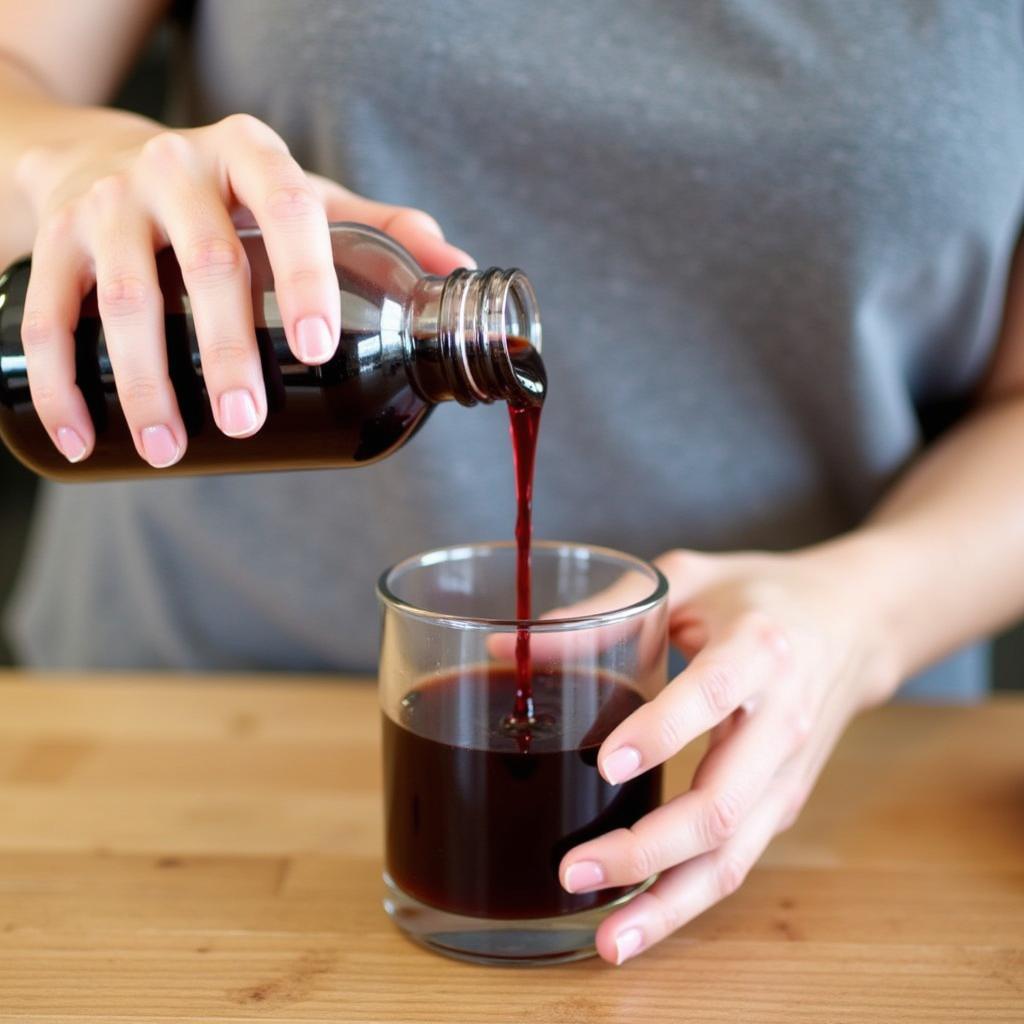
209,850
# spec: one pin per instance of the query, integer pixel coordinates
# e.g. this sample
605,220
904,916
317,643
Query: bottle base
532,942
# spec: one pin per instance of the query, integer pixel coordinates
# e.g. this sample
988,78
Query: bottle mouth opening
494,329
515,325
518,313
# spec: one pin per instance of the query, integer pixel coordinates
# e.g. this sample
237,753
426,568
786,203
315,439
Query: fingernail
71,444
621,764
238,416
467,261
160,447
584,874
313,338
627,944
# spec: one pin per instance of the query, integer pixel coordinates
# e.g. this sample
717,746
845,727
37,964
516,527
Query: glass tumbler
481,805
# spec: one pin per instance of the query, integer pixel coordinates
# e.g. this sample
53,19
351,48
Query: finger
729,783
59,278
717,681
690,638
689,573
131,308
630,587
685,572
216,276
264,177
414,229
557,647
686,891
758,744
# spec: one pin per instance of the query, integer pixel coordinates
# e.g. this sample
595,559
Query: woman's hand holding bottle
105,203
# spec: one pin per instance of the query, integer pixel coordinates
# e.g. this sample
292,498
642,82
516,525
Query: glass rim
452,552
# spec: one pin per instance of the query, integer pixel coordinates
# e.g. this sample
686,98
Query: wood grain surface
208,849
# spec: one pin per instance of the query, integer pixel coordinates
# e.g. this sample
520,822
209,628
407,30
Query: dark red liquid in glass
475,824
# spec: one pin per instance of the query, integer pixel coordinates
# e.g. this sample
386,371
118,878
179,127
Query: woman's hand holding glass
782,652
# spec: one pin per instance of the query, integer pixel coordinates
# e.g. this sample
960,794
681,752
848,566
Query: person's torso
769,239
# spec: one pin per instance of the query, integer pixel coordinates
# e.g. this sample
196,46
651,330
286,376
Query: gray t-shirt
770,239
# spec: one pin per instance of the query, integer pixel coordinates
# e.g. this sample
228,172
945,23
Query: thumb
688,573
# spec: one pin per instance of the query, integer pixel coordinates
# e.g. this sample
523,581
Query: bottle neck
474,336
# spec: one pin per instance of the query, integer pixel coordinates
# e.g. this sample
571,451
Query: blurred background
145,91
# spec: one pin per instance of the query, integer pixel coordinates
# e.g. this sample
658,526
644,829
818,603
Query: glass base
532,942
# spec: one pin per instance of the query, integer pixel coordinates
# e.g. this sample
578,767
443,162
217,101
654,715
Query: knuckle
730,872
755,595
224,354
304,277
110,190
718,689
212,259
57,225
668,914
123,295
37,330
768,634
721,819
671,734
253,129
166,147
32,161
800,727
641,860
139,392
45,398
45,170
291,202
402,217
